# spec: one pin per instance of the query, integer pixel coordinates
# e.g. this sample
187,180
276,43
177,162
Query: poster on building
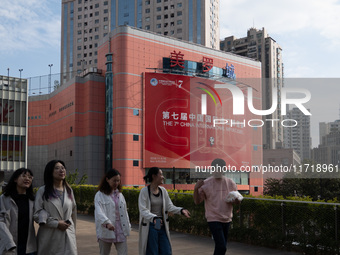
12,148
189,121
6,112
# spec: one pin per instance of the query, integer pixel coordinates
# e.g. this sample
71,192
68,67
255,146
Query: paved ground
182,244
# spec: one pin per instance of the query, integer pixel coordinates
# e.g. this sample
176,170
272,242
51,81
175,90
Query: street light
49,87
20,70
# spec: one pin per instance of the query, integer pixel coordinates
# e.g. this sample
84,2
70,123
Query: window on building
71,129
96,14
179,30
79,16
147,2
96,21
147,10
166,8
96,6
158,26
147,19
79,9
179,13
159,17
70,153
165,33
159,1
179,22
106,3
106,19
159,9
106,11
136,137
147,27
172,15
166,16
105,27
135,163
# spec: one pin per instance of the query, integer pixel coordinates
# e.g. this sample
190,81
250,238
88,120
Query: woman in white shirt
154,206
111,216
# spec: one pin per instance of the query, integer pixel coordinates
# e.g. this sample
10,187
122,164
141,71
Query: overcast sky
307,30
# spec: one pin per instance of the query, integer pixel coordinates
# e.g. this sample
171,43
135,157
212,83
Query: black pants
219,231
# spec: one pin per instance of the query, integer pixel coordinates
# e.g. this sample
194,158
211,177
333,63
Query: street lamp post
20,70
49,85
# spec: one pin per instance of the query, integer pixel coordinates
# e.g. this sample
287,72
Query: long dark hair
48,180
11,187
104,186
152,171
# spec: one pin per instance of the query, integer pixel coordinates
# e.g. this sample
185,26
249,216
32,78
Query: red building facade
128,138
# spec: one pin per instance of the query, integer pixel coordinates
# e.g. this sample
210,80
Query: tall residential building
13,125
86,22
326,128
260,46
298,137
328,151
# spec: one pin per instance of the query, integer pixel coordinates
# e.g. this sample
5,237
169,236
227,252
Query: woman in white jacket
111,216
17,235
154,205
56,212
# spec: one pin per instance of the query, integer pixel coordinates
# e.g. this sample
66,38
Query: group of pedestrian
54,209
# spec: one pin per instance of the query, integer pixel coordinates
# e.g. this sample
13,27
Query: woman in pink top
111,216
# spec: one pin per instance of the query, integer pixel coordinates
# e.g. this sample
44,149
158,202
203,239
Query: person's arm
39,211
170,207
99,212
143,210
197,197
6,238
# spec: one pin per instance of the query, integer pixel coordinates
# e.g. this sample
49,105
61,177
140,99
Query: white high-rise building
298,137
260,46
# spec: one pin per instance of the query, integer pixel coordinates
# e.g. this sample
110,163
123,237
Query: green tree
71,178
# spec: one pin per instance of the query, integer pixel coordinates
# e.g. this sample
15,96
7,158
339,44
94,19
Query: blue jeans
219,231
158,242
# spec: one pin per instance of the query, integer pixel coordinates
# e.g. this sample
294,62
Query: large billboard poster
189,121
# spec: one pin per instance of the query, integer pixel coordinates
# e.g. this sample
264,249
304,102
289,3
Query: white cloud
28,25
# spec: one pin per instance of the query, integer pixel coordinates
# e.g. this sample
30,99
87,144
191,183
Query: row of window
96,5
165,8
172,15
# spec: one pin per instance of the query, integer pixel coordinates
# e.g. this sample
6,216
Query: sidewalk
182,244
